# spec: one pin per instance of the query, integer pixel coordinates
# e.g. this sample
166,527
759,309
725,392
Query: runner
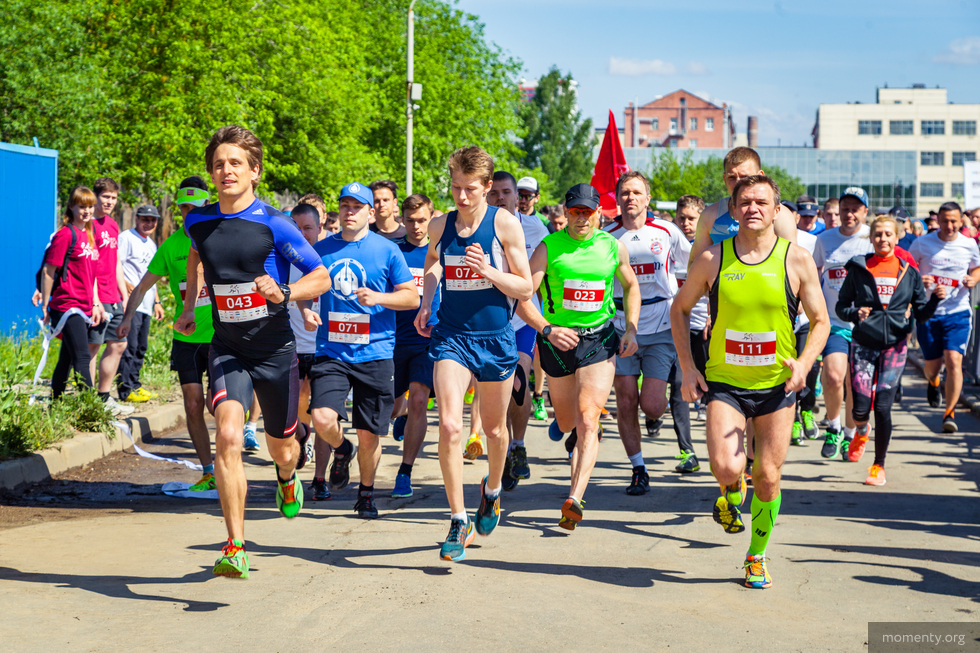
656,249
136,250
809,212
188,353
804,426
527,197
245,247
835,247
950,259
71,302
354,345
413,367
385,202
756,281
503,194
878,292
831,213
577,338
470,250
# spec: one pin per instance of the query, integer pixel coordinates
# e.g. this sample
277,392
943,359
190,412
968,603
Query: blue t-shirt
724,227
818,227
352,332
406,335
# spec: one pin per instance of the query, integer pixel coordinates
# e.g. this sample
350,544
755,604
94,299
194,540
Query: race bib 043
237,302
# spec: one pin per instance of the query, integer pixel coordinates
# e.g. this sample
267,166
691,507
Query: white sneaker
117,408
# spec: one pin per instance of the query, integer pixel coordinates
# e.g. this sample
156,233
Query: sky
775,60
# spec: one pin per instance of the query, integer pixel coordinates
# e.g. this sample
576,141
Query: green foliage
26,427
557,141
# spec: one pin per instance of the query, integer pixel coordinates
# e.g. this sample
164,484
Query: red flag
609,167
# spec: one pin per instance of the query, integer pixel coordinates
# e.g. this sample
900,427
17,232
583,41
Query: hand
367,297
928,280
422,321
797,379
940,291
46,317
563,338
36,298
98,314
123,329
311,319
707,327
185,323
969,281
863,312
627,344
475,260
693,386
158,313
269,289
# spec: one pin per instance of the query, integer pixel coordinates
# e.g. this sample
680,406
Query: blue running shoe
251,443
398,428
489,513
403,487
554,432
460,536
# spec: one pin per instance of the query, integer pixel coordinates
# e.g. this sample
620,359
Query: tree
556,138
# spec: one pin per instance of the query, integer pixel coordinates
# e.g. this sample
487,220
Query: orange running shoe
856,449
474,447
876,475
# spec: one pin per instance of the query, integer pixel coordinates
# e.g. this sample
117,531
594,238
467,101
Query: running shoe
460,536
844,446
571,514
134,397
756,574
519,468
571,441
206,483
488,515
688,463
251,443
810,429
831,444
876,475
949,424
603,413
537,406
403,487
303,433
702,413
319,489
726,510
468,397
554,432
856,449
289,496
143,392
117,408
233,561
340,468
797,438
653,427
747,474
640,482
365,508
507,481
474,447
398,428
431,405
933,395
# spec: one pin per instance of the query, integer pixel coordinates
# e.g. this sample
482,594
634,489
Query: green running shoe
831,444
756,574
206,483
797,438
537,406
289,496
688,463
460,536
233,561
810,429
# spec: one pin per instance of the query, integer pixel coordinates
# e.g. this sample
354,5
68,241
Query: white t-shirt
534,233
699,314
305,340
949,263
656,250
135,253
807,241
832,252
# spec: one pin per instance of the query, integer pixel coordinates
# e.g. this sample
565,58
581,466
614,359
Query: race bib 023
582,295
237,302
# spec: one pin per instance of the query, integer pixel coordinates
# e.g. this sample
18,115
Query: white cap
528,183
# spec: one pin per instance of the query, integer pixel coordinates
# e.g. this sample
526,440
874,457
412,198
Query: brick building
679,119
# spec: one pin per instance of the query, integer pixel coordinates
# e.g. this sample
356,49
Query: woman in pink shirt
70,300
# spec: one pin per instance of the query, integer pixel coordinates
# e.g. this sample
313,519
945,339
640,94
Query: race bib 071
237,302
459,276
582,295
349,328
750,349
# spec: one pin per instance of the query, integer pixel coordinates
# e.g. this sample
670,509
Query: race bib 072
583,295
237,302
349,328
459,276
750,349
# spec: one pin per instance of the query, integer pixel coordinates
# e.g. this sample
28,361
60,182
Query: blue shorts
526,339
944,333
490,355
412,365
838,342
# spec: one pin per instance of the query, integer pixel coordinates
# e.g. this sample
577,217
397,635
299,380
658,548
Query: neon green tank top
577,290
171,261
753,310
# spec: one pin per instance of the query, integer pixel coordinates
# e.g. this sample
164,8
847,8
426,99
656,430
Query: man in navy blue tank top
478,258
245,248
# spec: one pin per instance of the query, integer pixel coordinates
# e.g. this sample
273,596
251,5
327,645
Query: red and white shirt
949,263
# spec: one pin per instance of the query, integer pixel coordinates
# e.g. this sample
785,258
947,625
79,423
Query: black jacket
883,327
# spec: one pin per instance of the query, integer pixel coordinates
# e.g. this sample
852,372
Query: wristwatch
285,292
546,331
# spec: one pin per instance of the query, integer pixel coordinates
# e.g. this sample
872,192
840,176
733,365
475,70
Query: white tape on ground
146,454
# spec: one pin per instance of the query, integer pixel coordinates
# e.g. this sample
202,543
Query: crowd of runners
740,313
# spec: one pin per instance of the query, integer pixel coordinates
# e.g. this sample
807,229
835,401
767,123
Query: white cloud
965,52
696,68
636,67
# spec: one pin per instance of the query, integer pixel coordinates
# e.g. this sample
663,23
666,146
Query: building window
960,157
956,189
934,127
709,124
673,125
931,189
869,127
901,127
932,158
964,128
694,143
694,125
654,124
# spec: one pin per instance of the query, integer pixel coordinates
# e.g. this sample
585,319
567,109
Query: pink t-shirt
107,241
76,289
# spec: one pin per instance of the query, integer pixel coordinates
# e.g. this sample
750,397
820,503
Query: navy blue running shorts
490,355
412,365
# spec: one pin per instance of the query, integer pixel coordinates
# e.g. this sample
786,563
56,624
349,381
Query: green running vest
753,310
577,289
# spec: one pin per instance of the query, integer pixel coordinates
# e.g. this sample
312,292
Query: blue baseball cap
855,191
360,192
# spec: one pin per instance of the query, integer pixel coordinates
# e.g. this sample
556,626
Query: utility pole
408,98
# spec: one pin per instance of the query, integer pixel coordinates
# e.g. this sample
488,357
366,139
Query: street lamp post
408,98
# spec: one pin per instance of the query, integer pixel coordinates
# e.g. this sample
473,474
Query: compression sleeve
289,242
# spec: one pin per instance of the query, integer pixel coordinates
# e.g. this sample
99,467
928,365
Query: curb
85,448
972,402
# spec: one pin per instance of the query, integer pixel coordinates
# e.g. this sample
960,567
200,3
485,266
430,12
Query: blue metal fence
29,179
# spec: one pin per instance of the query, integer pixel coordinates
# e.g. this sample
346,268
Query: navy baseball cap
855,191
790,205
899,212
808,208
582,195
360,192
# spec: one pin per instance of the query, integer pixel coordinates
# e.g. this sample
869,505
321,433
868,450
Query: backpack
62,271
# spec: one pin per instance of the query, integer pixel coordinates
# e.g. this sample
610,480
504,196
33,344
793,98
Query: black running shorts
372,382
592,348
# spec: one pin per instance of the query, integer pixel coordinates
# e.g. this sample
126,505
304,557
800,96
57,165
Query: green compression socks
764,515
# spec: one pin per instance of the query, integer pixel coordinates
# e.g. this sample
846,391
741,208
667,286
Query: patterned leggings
875,374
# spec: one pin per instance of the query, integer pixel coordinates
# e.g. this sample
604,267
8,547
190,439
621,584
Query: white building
943,135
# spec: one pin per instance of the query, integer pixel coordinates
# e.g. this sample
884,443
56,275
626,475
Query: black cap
899,212
147,211
807,208
582,195
194,181
789,205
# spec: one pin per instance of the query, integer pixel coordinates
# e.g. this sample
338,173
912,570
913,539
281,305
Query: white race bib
419,275
582,295
350,328
886,288
835,277
237,302
459,276
203,298
751,349
645,272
